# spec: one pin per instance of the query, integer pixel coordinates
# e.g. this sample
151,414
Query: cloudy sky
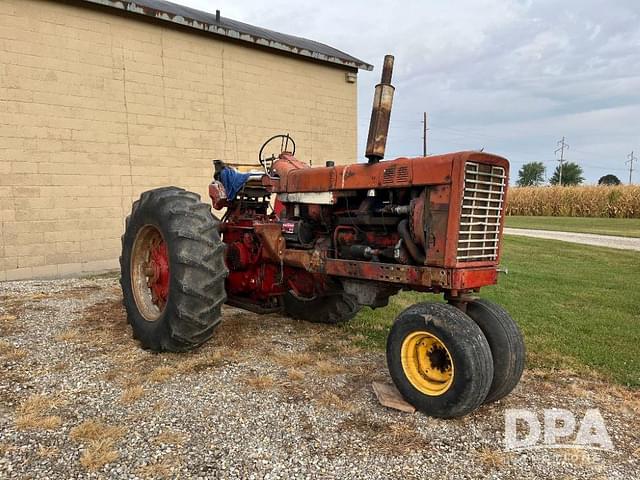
512,76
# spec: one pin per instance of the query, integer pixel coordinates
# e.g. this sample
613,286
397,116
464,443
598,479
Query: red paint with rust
295,176
271,267
472,278
218,195
159,281
443,174
252,273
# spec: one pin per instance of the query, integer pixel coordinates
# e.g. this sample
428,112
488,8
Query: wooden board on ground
389,396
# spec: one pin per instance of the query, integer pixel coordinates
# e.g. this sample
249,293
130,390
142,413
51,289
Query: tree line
532,175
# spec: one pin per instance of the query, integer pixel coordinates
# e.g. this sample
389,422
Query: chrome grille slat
475,215
499,209
481,212
481,182
469,258
473,224
472,198
475,240
488,174
482,190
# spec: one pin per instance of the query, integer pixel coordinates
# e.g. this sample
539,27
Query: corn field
587,201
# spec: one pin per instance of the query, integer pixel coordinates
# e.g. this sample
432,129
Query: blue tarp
233,181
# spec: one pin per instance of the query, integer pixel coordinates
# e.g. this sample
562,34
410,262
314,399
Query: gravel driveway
268,397
621,243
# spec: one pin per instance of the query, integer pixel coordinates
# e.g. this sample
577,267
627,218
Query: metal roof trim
233,29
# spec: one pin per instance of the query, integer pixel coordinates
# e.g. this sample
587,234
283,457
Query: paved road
622,243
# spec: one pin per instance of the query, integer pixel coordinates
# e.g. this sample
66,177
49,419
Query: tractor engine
256,280
360,226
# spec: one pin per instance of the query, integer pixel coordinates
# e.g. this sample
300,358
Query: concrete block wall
96,108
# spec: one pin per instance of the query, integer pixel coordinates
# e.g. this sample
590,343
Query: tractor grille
482,203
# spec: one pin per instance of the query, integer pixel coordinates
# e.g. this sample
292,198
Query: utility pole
560,149
424,134
632,159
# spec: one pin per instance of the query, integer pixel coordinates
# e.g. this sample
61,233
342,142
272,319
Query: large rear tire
439,360
506,343
172,270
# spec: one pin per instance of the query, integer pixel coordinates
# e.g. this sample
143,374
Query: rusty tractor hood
295,176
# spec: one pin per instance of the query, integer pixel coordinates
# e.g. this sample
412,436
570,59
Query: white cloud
511,75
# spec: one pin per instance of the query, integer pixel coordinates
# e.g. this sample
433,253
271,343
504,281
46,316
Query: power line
560,149
424,134
632,159
467,133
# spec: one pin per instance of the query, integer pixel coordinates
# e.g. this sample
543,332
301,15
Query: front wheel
439,360
506,343
172,270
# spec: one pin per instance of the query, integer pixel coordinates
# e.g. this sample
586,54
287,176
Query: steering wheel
284,144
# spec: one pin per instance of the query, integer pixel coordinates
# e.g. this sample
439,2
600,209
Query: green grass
578,307
625,227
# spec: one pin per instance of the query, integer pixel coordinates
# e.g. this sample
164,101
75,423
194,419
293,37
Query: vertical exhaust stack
381,113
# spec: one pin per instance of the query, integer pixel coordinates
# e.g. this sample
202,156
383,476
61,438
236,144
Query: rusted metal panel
271,235
465,279
397,174
424,277
455,203
401,172
218,195
388,272
282,167
226,27
437,225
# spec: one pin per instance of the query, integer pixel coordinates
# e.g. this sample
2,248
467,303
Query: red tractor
320,243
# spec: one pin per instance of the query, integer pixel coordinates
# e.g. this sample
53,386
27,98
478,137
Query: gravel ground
621,243
267,397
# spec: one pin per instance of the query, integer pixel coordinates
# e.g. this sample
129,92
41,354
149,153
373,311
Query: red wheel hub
157,272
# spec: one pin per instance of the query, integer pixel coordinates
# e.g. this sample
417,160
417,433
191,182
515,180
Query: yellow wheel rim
427,363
